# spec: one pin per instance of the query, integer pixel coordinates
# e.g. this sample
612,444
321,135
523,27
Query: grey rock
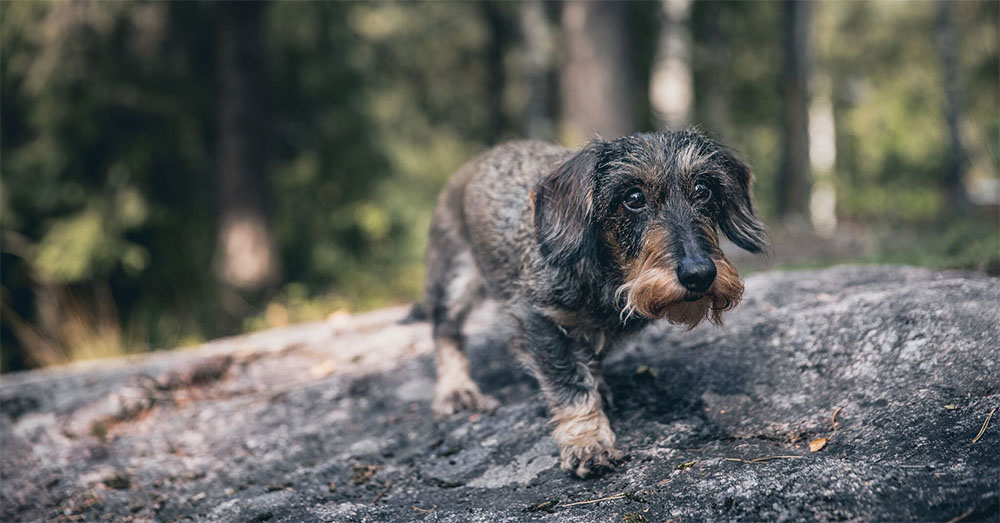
330,421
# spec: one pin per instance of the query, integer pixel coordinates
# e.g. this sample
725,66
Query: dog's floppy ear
564,208
738,222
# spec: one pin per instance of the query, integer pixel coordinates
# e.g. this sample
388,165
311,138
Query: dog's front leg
581,431
602,385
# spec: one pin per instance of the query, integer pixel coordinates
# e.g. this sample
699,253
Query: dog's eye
702,192
635,200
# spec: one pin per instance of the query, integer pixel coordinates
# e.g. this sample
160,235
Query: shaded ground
330,421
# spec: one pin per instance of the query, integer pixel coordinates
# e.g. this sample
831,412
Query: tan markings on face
651,288
727,290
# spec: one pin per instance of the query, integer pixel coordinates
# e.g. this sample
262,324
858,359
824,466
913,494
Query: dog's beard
654,292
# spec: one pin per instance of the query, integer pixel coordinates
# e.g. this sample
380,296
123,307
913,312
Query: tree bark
716,95
793,176
496,74
247,260
947,40
671,85
823,157
536,34
595,80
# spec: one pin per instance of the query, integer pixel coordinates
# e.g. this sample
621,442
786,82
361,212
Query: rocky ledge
853,393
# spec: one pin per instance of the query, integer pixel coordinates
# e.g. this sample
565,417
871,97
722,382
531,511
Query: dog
582,249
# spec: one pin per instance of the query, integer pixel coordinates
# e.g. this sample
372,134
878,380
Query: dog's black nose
696,274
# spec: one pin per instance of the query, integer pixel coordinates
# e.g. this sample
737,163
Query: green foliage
108,144
104,148
110,124
957,244
366,145
889,103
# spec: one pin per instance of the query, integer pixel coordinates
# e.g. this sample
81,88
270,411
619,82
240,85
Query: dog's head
652,205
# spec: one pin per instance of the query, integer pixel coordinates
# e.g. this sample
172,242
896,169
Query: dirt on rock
852,393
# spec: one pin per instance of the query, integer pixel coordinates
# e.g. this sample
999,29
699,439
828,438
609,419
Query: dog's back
484,212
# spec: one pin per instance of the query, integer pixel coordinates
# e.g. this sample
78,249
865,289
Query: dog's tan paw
586,459
586,441
448,402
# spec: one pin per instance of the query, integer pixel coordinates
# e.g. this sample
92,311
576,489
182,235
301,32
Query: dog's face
652,205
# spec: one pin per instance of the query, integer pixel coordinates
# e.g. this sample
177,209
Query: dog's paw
584,460
586,444
448,402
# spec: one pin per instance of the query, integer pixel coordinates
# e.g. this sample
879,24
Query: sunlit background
174,172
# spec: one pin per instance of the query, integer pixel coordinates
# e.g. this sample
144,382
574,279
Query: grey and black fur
583,248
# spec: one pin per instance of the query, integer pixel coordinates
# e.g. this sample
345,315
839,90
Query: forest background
172,172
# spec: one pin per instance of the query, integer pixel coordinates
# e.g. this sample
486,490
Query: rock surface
330,421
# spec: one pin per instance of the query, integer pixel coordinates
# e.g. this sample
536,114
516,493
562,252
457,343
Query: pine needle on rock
761,459
985,424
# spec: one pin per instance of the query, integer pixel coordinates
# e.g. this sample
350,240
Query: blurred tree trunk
496,77
247,260
536,32
671,85
793,176
715,104
595,81
823,157
947,40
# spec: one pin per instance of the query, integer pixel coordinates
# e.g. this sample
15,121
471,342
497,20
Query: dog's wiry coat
583,248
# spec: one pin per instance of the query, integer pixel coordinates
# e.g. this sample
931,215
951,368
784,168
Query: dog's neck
585,298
